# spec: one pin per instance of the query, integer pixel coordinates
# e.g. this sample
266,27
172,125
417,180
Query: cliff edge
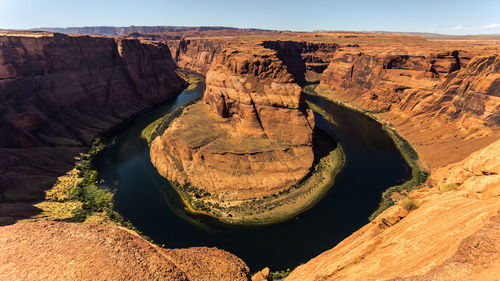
454,234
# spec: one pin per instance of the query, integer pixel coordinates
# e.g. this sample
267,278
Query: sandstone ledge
453,235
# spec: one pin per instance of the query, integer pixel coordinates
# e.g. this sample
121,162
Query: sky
436,16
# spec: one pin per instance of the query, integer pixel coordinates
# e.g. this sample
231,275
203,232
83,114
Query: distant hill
120,31
437,36
233,31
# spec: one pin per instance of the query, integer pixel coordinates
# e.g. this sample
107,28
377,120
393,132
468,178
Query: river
142,196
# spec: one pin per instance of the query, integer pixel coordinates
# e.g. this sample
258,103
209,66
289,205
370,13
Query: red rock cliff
439,85
57,92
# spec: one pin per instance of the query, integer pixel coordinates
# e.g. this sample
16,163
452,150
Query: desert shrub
279,275
450,187
409,204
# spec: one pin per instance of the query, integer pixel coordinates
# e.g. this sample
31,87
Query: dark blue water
372,165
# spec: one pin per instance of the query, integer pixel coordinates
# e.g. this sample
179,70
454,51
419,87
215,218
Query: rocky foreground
64,251
453,235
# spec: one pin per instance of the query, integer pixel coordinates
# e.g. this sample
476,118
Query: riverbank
79,197
271,209
277,207
418,172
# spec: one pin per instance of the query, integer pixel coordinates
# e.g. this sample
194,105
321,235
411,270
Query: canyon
59,91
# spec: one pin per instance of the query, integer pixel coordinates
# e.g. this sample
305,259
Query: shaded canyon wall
58,92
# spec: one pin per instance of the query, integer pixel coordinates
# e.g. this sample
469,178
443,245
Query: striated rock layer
444,103
453,235
255,134
64,251
304,60
57,92
196,54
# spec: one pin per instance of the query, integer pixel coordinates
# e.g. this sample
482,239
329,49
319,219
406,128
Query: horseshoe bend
218,153
250,137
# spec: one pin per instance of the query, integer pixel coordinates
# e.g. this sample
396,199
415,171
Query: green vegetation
409,204
148,131
418,174
279,275
450,187
93,198
192,77
79,195
157,127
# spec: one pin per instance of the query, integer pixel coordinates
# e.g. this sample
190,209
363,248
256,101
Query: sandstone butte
250,136
442,95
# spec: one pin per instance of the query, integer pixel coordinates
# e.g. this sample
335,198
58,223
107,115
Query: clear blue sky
440,16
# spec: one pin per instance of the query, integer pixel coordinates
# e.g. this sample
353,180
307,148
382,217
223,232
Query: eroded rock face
445,104
378,81
196,54
461,90
57,92
64,251
255,136
304,60
453,235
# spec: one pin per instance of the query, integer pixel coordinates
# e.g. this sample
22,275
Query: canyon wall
180,30
196,55
447,104
57,92
464,90
378,81
304,60
253,117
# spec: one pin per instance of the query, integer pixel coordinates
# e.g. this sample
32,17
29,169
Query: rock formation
64,251
156,30
57,92
378,81
453,235
250,137
447,104
304,60
196,55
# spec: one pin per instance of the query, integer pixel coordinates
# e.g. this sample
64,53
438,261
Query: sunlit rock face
250,136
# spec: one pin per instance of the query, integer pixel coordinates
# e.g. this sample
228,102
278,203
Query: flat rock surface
64,251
